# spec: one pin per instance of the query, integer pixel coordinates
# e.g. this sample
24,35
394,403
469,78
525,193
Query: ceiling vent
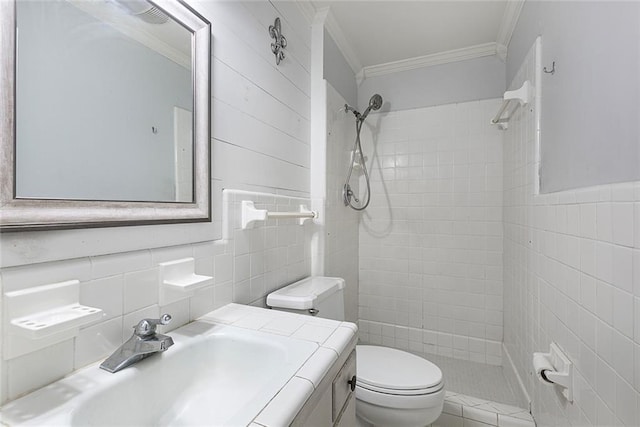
143,10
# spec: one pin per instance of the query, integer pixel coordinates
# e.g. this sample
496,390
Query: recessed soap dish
43,324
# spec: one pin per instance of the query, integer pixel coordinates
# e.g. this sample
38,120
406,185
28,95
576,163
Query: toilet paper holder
555,368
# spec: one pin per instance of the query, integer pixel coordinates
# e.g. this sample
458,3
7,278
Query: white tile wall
260,131
256,261
431,240
571,269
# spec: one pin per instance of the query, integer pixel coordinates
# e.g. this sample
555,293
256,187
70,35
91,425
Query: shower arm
355,112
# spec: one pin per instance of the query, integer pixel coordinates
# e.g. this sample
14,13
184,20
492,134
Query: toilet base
374,415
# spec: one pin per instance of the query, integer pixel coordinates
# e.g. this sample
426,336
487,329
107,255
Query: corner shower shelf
50,322
250,214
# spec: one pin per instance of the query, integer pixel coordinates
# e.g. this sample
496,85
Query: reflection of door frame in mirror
36,214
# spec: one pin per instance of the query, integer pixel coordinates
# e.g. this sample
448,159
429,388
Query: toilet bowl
397,388
393,387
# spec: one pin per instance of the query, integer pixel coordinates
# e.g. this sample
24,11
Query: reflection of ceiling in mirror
168,38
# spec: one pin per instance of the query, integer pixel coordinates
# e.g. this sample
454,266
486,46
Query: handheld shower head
374,104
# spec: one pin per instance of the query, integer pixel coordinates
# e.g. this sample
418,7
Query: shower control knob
352,383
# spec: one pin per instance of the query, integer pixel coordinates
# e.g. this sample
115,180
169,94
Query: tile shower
431,241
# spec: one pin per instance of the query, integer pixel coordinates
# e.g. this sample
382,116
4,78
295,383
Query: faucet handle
147,327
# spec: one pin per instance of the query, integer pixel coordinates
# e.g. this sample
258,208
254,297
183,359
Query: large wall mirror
105,109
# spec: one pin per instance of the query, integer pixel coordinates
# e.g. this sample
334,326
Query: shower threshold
479,395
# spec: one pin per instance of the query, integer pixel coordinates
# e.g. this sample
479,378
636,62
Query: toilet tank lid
306,293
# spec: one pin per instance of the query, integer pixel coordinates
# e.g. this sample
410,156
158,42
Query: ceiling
375,33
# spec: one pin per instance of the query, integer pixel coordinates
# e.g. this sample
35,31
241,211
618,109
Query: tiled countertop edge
331,336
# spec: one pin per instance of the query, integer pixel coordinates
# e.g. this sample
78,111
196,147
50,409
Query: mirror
107,106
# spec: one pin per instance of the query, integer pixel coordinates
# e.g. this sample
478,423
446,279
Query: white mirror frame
38,214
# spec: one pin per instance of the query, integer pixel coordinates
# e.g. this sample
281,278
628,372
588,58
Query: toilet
393,387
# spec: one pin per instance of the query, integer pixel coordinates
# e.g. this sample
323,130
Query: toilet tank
316,295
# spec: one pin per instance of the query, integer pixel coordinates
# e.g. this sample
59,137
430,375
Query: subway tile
17,278
97,342
604,222
623,355
604,261
223,268
106,294
623,312
113,264
622,215
623,268
141,289
170,253
588,227
179,312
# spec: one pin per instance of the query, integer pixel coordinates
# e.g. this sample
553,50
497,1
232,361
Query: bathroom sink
213,375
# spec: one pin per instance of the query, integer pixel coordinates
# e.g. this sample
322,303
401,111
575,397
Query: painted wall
470,80
431,239
109,152
260,144
571,276
337,71
590,105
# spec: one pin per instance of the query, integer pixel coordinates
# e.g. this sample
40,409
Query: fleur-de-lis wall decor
277,47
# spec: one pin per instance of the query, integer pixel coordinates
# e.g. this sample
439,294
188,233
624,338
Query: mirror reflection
104,102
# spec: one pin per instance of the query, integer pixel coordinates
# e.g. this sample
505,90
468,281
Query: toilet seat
392,371
420,401
394,392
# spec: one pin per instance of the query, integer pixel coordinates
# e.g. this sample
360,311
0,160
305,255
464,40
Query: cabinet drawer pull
352,383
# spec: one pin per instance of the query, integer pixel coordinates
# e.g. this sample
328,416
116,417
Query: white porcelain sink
213,375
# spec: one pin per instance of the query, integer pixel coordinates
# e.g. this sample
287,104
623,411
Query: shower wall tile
431,240
571,271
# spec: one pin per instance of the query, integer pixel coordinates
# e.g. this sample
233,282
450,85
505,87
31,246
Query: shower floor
479,395
483,381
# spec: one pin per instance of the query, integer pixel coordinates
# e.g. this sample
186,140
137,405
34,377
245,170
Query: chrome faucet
143,343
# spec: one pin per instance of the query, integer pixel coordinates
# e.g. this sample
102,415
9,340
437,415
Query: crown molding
471,52
499,48
508,25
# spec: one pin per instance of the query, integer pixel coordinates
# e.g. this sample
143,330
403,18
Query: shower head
374,104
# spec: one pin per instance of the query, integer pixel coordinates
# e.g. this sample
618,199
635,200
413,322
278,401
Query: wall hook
280,42
552,70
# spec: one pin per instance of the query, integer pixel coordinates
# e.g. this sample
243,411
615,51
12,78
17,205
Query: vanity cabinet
333,403
343,390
